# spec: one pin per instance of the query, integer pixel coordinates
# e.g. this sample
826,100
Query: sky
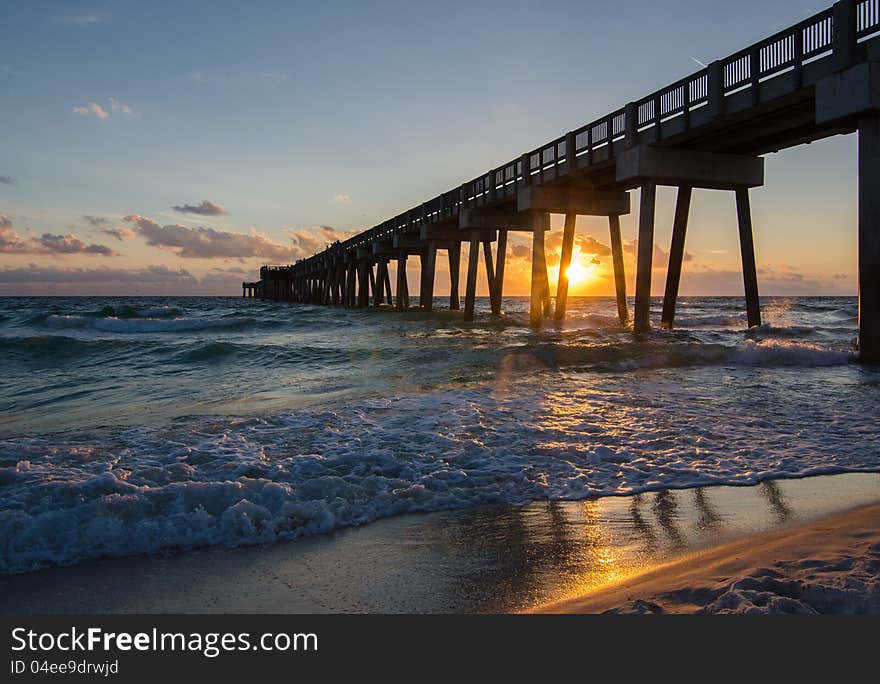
173,148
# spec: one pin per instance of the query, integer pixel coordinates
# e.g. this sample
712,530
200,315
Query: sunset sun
579,273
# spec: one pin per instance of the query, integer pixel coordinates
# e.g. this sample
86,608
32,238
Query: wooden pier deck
818,78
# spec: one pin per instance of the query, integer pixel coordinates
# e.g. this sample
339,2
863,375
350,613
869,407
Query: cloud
520,251
96,221
308,241
772,280
48,243
69,244
342,198
660,257
206,208
93,109
211,243
840,276
119,107
590,245
33,279
7,180
87,19
9,71
121,233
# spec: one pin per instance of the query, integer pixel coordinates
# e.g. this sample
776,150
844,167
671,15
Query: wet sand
488,559
831,565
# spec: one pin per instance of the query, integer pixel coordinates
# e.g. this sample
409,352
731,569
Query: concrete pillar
747,247
429,267
470,295
539,280
490,274
351,281
500,258
869,239
454,270
402,294
676,255
363,285
619,273
387,277
564,263
379,284
641,322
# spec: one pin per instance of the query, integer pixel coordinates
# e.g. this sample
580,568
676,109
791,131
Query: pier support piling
869,239
490,274
747,247
564,264
676,255
454,274
540,291
619,273
429,267
402,289
500,258
470,295
387,279
641,319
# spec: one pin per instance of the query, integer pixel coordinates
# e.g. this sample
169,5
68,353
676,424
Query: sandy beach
831,565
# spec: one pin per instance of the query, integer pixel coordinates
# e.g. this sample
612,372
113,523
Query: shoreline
495,559
829,565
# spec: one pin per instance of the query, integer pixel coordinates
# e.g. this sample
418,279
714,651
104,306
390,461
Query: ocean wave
247,481
113,324
660,353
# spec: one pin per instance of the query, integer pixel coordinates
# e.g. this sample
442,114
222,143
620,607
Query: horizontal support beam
694,168
365,253
383,247
411,242
493,219
572,200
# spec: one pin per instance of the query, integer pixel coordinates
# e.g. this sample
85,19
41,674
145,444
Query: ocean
142,425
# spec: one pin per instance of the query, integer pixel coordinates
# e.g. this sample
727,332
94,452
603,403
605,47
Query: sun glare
577,273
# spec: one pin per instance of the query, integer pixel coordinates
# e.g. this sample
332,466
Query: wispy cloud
342,198
96,221
10,71
100,112
205,208
93,109
85,19
7,180
119,107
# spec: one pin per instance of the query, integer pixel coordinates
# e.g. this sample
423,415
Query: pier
813,80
